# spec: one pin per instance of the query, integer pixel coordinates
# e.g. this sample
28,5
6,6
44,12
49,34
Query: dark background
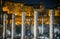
47,3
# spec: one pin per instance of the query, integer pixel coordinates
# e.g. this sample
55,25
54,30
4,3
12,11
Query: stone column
51,23
13,24
4,26
23,25
42,25
35,24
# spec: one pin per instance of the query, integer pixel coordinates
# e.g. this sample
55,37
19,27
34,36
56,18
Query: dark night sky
47,3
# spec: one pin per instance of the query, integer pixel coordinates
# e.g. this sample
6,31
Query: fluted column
35,24
23,25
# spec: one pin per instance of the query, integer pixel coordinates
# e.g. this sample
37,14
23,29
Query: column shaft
51,23
35,24
4,26
23,25
42,25
13,24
